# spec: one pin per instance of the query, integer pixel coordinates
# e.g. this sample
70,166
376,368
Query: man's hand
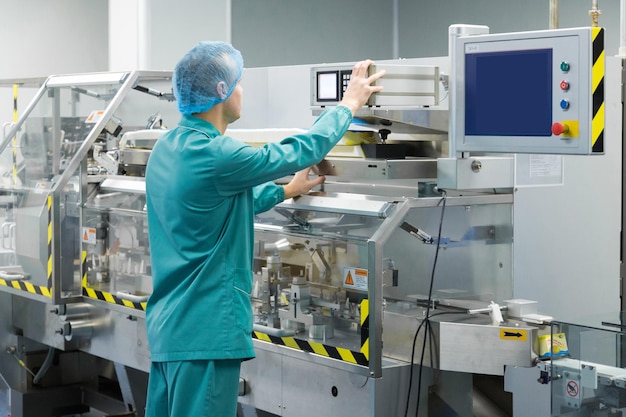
301,183
360,87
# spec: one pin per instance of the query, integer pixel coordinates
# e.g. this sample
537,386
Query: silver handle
12,276
5,235
124,295
12,236
4,128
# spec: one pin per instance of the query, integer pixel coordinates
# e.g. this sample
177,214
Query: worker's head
206,75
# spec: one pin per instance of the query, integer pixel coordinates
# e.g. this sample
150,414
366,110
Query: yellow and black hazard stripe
365,328
15,86
342,354
110,298
27,286
597,90
321,349
50,233
103,295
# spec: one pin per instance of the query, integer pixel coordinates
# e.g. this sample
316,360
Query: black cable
425,322
408,397
430,297
413,354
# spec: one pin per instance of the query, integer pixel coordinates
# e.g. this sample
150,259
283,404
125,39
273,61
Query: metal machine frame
435,266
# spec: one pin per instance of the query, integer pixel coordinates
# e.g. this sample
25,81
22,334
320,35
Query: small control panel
403,85
529,92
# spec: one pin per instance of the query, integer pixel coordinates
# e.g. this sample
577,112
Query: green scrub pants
199,388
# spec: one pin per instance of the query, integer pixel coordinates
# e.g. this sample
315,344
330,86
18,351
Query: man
203,190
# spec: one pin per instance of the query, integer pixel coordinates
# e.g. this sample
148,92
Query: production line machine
387,291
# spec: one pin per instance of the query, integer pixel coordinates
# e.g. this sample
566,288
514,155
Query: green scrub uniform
203,190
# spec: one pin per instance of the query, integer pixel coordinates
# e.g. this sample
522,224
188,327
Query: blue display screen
508,93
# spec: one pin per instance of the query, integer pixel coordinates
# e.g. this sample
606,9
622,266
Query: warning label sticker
94,116
355,278
571,387
89,235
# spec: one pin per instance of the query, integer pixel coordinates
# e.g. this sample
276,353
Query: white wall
41,37
155,34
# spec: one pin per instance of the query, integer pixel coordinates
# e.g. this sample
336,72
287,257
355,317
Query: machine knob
559,128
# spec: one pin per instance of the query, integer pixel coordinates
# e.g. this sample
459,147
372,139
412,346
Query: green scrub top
203,190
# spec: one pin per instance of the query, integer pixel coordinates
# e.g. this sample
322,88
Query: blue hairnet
198,74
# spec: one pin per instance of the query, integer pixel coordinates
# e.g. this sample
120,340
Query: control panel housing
529,92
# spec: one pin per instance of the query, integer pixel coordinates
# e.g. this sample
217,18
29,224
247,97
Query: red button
564,85
559,128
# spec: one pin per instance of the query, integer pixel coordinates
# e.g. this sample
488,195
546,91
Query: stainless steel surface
400,331
408,120
125,184
123,340
282,380
264,380
86,79
406,85
35,82
475,173
134,156
426,121
383,169
354,204
474,345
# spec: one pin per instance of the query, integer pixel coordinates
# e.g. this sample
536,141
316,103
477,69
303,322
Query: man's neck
215,116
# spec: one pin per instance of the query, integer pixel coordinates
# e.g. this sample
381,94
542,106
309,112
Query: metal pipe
396,31
554,14
485,310
594,13
80,329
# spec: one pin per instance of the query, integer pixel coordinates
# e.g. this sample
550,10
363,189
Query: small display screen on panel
327,86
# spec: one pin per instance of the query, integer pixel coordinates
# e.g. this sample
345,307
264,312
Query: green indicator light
564,66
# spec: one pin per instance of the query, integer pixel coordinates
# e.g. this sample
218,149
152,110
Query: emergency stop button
559,128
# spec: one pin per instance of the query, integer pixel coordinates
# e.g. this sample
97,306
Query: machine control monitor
529,92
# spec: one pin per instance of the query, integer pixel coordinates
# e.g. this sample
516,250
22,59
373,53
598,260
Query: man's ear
222,90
